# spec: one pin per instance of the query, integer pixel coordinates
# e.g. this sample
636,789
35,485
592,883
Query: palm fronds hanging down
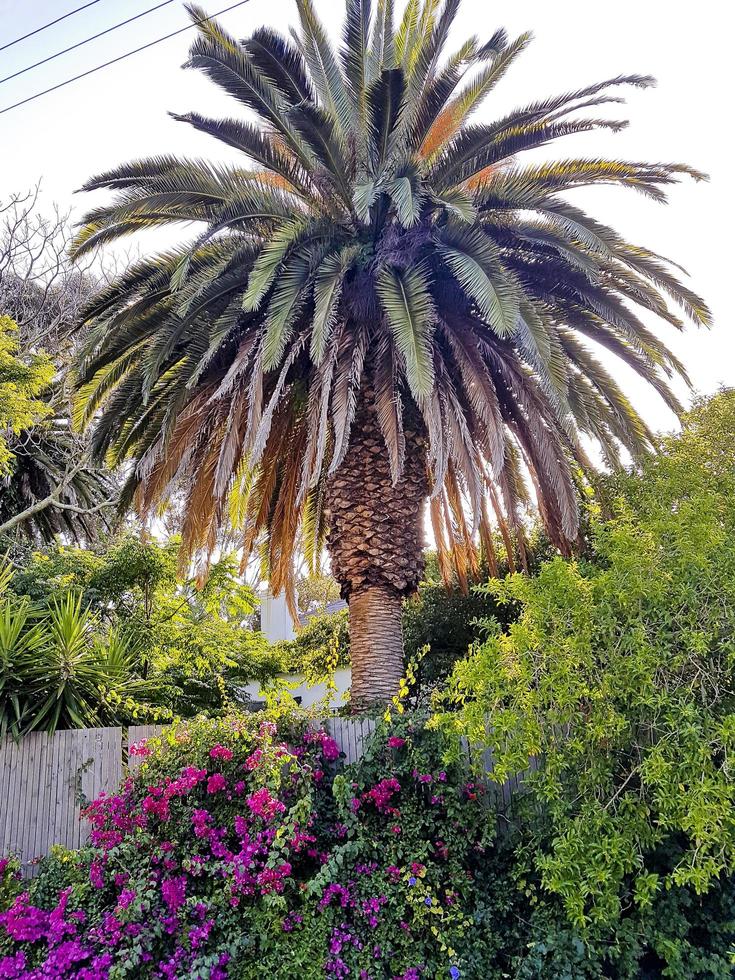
377,245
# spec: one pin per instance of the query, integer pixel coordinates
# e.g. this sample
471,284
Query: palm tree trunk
376,646
376,547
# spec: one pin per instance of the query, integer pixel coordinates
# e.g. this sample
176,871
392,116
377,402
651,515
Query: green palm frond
475,263
406,300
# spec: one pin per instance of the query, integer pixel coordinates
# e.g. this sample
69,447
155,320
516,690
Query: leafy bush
319,647
234,855
58,669
244,850
192,639
618,676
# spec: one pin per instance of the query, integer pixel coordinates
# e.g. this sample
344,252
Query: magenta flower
173,891
96,874
13,966
395,742
24,922
221,752
126,898
262,804
216,783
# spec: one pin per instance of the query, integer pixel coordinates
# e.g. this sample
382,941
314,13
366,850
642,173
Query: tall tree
385,304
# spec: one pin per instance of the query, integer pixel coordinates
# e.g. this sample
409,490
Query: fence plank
45,780
139,733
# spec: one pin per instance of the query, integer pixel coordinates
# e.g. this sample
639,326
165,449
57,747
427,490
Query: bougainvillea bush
241,851
245,848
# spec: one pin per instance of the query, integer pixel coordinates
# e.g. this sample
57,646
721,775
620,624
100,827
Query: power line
86,40
50,24
121,57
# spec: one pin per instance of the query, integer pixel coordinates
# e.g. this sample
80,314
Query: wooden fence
46,780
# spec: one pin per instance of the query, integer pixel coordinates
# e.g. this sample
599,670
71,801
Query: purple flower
24,922
454,972
13,966
173,891
216,783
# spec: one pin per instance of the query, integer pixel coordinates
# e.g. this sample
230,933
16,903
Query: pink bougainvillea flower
262,804
173,891
221,752
216,783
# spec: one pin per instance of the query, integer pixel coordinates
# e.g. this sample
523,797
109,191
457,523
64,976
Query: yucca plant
58,670
383,304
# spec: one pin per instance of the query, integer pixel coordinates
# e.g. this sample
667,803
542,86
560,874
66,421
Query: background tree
51,487
22,381
385,302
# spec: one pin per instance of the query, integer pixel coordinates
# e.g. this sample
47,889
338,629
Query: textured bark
376,646
376,547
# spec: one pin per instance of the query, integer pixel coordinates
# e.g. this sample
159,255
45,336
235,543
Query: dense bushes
60,668
618,674
234,855
245,851
190,643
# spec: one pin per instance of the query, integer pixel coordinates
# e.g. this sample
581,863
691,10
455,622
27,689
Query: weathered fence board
350,735
45,780
136,734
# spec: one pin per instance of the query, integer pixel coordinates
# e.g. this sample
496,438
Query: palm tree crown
379,257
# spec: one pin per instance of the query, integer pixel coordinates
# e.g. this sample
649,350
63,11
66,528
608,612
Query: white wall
275,619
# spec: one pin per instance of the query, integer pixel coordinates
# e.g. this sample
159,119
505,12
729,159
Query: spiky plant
384,304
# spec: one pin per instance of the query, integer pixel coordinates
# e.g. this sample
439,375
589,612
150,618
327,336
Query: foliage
51,487
376,256
319,647
59,669
245,849
617,676
10,881
191,639
315,591
22,382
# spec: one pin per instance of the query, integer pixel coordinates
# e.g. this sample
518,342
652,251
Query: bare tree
53,488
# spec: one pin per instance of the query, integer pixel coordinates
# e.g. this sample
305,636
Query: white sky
120,113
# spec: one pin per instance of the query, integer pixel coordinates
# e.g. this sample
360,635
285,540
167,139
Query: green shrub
192,640
618,676
244,851
319,647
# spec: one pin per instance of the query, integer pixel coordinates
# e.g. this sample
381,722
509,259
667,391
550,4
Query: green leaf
327,291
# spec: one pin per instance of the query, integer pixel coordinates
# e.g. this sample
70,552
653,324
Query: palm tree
384,304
